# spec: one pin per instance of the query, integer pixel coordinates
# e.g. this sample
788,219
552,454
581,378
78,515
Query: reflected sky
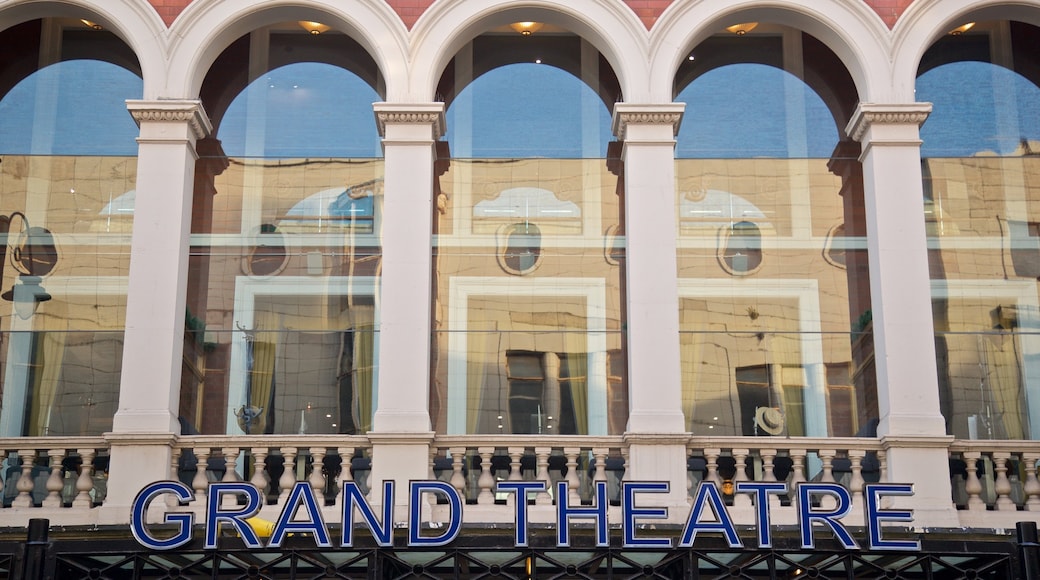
521,110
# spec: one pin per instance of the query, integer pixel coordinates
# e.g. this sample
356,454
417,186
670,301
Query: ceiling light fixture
742,28
962,29
526,28
91,24
313,27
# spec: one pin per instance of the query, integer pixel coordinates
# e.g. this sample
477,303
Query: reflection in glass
67,154
285,250
527,299
775,338
981,166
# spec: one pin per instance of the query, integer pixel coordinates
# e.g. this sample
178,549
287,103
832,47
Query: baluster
827,502
856,482
599,455
288,478
458,480
317,476
797,472
740,456
200,482
690,480
1031,487
768,460
486,481
711,458
972,485
346,456
230,463
542,460
432,461
175,464
25,481
1002,485
260,478
516,454
882,457
85,482
573,482
54,481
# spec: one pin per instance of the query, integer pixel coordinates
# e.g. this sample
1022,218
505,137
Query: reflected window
743,252
523,247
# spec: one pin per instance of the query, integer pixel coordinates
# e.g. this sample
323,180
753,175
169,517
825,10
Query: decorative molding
171,111
627,114
410,114
868,114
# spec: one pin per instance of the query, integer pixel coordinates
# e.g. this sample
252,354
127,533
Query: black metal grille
482,555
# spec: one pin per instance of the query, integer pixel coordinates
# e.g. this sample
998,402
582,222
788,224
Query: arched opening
765,183
529,304
285,249
67,150
980,160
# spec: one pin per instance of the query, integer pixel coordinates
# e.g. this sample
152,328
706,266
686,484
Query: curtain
1002,378
481,350
263,347
48,356
690,357
364,366
577,361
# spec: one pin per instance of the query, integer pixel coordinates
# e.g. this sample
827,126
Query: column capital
868,115
664,114
410,114
185,111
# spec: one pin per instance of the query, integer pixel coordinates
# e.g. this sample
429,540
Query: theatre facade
519,289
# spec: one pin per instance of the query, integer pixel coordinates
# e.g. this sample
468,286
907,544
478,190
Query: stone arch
608,25
925,21
205,29
854,32
135,22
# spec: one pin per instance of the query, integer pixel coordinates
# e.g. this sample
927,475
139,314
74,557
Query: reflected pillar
656,429
146,423
401,432
912,428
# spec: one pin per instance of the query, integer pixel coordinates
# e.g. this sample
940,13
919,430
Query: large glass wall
775,319
285,255
67,172
528,245
981,165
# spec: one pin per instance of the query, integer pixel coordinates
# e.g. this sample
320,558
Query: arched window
67,153
526,207
764,183
285,248
981,159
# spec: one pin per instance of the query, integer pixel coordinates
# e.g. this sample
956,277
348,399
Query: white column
656,429
146,421
401,432
912,427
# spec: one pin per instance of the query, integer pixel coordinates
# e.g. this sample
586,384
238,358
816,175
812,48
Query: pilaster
153,340
401,431
656,426
908,392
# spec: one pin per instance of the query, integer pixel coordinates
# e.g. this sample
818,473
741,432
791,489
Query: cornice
410,114
868,114
171,111
626,114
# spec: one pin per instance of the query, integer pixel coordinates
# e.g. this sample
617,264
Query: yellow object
263,528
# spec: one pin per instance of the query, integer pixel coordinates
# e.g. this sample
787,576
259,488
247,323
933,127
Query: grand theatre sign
302,514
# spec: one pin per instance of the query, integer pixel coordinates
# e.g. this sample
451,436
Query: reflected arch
205,30
851,30
611,27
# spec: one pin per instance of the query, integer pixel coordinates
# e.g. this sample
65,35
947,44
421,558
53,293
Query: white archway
855,33
134,21
205,29
925,21
610,26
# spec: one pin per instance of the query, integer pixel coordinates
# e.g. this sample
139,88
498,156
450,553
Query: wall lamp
34,256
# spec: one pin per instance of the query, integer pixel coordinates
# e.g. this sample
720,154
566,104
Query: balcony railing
66,479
